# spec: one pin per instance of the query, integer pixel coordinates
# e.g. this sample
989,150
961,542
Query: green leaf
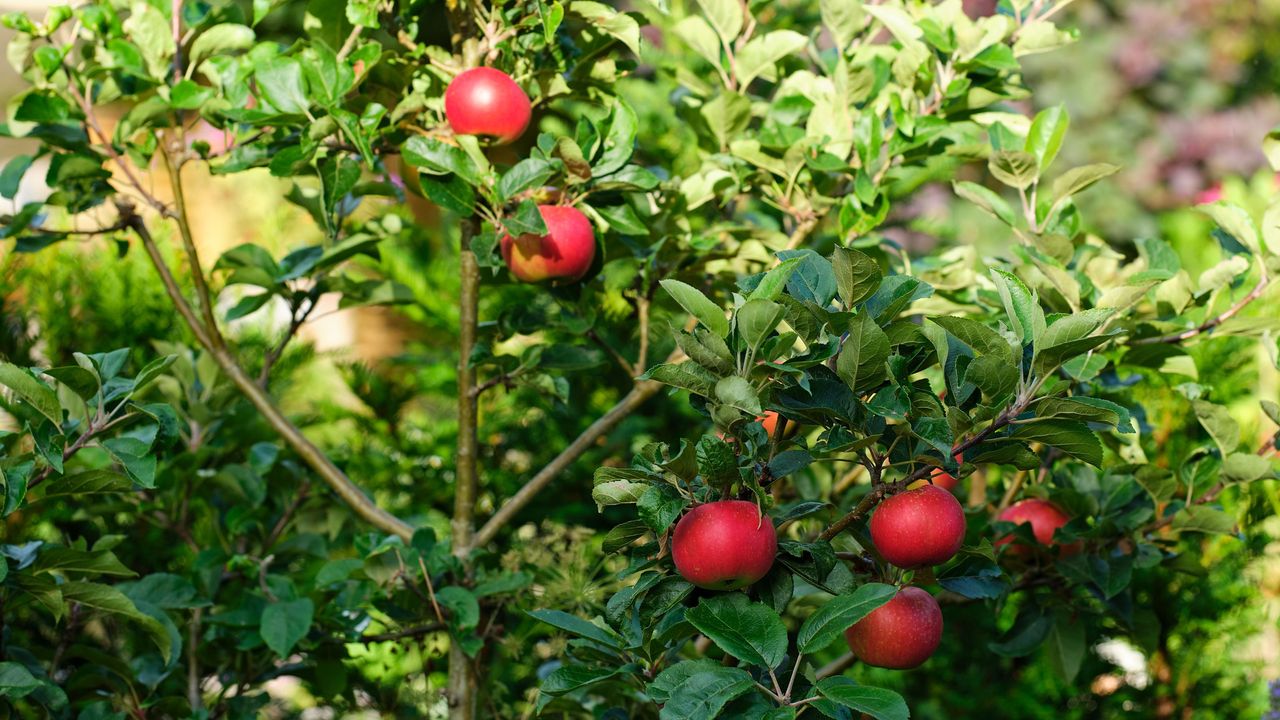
568,678
575,625
857,275
1019,303
16,681
1066,645
774,281
623,535
1201,518
844,19
462,606
284,624
831,620
526,174
1245,467
697,305
758,57
1234,221
1080,178
527,220
725,17
983,340
434,156
749,631
698,34
39,396
1045,137
220,39
861,363
111,600
280,83
1014,168
149,30
879,703
756,320
686,376
1217,420
727,116
613,23
659,506
1070,436
89,482
814,280
704,694
11,176
987,200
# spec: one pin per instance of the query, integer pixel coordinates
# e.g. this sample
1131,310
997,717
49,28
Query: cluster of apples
487,102
730,544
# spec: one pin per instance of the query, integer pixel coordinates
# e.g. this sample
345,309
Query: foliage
175,541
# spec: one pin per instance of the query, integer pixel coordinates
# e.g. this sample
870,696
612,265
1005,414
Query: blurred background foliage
1179,92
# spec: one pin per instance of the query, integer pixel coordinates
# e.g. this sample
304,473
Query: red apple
918,528
724,545
901,634
564,253
1045,519
485,101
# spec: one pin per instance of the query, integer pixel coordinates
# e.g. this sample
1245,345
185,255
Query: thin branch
306,450
401,634
624,407
278,529
193,256
350,43
802,230
465,488
431,589
882,490
837,666
1263,282
642,355
612,352
91,118
295,323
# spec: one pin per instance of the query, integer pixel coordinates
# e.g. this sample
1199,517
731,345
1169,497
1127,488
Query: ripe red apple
1045,519
485,101
769,421
918,528
724,545
564,253
901,634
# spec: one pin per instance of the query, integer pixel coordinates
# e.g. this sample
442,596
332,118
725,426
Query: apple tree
702,197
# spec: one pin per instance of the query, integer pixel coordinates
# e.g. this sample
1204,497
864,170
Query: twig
193,256
405,633
464,496
350,43
306,450
278,529
295,323
880,491
624,407
837,666
132,177
431,589
612,352
642,355
194,698
1210,324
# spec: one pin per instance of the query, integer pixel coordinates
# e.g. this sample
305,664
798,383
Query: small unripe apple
485,101
564,253
901,634
918,528
1045,519
724,545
